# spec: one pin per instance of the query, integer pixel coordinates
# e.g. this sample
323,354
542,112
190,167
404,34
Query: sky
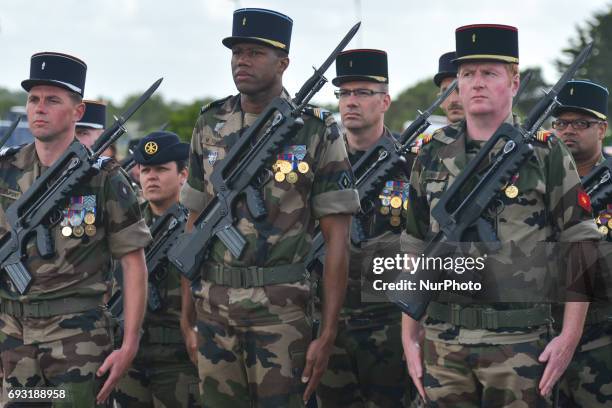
128,44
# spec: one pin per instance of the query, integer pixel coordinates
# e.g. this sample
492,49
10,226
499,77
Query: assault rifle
9,132
598,185
372,170
243,171
167,228
28,217
461,206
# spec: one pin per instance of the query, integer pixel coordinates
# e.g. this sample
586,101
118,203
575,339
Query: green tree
534,90
407,103
8,99
597,68
182,120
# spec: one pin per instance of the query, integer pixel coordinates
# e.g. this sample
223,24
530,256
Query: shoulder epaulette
544,136
317,112
213,104
10,151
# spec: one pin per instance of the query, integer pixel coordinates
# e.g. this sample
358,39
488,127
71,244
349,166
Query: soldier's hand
116,364
190,335
412,338
557,356
317,358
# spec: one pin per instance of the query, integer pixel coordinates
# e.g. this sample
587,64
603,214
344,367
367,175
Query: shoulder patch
213,104
10,151
318,113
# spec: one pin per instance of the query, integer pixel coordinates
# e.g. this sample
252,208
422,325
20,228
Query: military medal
384,210
406,204
395,211
610,223
90,230
396,202
395,221
279,176
90,218
292,177
276,167
303,167
603,230
78,231
285,166
511,191
66,231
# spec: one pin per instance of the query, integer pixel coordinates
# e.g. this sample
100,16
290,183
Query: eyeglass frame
571,123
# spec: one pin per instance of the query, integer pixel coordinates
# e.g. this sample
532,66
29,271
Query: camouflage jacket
546,209
598,334
169,285
383,226
81,266
285,235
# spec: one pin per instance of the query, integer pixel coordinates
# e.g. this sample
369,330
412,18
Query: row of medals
76,227
604,223
285,170
396,204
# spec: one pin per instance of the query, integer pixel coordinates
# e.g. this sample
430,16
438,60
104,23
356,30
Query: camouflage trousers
68,364
252,366
587,382
161,376
491,376
366,368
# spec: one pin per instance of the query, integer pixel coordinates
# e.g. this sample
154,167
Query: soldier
581,122
162,374
366,366
494,355
255,336
447,73
92,124
58,334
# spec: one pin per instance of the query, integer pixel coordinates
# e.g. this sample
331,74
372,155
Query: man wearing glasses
582,124
366,367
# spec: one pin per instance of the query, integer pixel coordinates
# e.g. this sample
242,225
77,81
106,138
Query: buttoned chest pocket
436,182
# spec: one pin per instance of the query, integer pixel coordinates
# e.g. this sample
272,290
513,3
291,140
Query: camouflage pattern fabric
587,381
546,206
366,368
477,376
162,375
69,363
254,340
80,269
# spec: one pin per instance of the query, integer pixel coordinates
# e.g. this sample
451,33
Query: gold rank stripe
505,58
271,42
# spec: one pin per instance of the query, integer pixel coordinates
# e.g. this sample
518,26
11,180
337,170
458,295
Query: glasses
578,124
359,93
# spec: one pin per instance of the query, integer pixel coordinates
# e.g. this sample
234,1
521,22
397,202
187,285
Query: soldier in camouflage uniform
255,335
92,124
494,355
162,374
447,73
58,334
366,368
581,123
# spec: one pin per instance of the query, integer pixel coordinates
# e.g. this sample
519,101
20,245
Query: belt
48,308
164,335
488,318
598,314
253,276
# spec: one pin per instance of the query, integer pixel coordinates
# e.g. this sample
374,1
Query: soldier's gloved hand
116,364
317,358
557,356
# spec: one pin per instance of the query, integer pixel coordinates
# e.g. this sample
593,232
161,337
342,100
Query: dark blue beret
160,147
